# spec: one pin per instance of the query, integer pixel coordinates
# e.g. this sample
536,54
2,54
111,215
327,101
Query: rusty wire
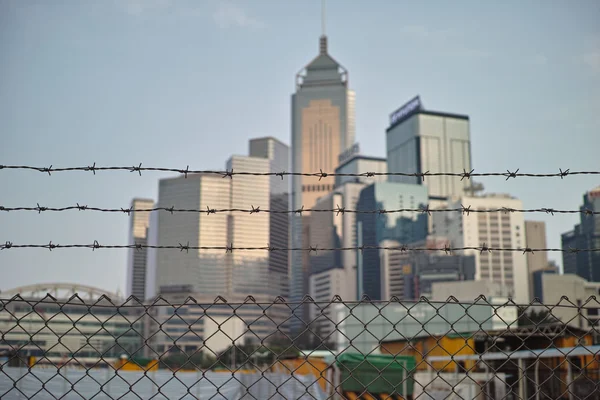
321,174
257,210
311,249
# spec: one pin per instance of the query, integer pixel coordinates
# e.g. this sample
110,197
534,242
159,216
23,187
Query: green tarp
376,373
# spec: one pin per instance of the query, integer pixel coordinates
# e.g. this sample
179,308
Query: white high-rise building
278,155
490,229
214,271
250,274
137,259
323,287
203,271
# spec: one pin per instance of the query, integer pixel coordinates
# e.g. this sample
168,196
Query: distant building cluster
396,211
323,131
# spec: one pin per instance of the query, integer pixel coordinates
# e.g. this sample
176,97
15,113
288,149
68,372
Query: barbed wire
311,249
338,210
321,174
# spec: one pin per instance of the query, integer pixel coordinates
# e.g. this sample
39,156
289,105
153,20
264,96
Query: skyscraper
420,140
491,229
250,267
359,164
405,227
136,259
278,155
585,235
199,271
209,271
322,127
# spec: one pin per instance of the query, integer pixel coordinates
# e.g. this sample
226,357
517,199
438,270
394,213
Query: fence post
153,382
569,377
521,378
537,379
64,367
359,264
21,379
107,380
198,386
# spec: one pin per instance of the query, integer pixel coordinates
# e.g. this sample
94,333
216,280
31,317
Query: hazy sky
171,83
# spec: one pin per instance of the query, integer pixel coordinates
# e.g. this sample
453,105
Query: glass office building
404,227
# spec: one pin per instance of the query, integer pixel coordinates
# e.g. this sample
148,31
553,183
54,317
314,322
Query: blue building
373,228
585,235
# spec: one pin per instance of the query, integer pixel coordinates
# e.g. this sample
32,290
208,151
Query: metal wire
311,249
214,349
256,210
230,174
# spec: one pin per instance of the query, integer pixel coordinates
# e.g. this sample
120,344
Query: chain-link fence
190,349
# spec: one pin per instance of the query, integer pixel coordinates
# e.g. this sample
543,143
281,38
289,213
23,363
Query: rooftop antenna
323,38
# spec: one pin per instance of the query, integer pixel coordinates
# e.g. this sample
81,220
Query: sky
172,83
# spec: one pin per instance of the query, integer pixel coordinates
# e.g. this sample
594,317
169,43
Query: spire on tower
323,38
322,17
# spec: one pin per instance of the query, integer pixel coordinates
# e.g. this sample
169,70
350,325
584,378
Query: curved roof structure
59,290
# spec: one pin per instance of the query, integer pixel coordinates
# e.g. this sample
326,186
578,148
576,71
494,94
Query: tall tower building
201,271
322,128
136,260
405,227
250,267
420,140
278,155
585,235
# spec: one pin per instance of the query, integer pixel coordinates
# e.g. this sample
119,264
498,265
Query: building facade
323,287
404,227
410,276
491,229
419,140
52,332
535,238
214,271
136,259
326,232
537,278
469,291
577,292
359,164
204,271
210,326
278,154
322,127
585,235
250,268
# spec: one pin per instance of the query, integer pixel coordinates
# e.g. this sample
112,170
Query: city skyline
38,144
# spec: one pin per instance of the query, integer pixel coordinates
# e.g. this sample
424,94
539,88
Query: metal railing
217,349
